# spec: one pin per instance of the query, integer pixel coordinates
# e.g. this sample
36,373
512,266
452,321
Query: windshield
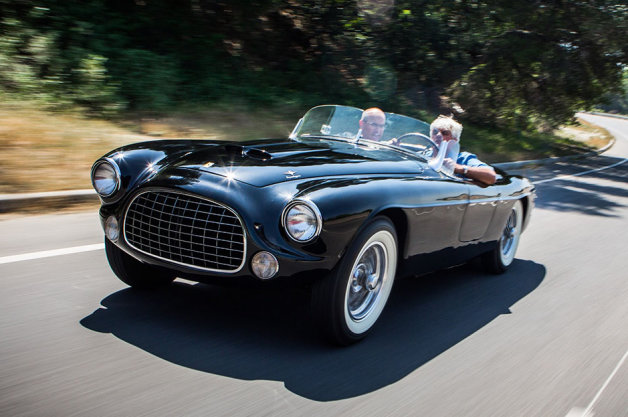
407,133
344,122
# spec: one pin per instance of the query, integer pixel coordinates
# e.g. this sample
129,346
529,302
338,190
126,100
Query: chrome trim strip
175,191
469,202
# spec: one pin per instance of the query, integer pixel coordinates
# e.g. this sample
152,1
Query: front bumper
293,262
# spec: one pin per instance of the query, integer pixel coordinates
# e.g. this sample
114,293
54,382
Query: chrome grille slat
186,229
234,218
235,234
153,241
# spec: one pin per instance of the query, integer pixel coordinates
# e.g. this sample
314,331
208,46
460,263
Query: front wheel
133,272
500,258
348,302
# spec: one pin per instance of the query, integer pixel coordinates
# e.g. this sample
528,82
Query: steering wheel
417,142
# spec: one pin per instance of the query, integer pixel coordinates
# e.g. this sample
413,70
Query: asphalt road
549,338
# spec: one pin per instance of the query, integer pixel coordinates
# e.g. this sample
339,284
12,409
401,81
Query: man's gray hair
447,123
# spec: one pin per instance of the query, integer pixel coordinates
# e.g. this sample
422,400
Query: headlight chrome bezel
117,176
315,211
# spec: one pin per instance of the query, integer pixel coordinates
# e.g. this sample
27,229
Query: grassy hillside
46,151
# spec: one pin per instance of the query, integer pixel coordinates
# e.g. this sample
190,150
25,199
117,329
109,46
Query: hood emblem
208,164
291,175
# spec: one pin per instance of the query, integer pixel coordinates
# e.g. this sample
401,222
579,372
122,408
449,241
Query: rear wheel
347,303
499,259
133,272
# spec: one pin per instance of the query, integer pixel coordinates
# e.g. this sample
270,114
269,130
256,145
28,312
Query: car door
436,215
479,211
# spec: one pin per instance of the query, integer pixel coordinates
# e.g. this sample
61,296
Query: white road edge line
49,253
587,411
562,177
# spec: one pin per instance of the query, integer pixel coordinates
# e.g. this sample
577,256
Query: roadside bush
94,90
147,80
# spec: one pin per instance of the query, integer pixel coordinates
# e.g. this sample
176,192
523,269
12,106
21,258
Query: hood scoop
257,154
250,152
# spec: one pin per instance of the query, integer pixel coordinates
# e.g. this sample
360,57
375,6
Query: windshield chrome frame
293,134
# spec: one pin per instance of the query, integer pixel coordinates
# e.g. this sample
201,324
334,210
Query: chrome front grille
186,230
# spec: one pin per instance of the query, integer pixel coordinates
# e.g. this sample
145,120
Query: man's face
439,135
373,126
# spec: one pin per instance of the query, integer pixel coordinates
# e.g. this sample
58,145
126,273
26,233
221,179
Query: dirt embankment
47,151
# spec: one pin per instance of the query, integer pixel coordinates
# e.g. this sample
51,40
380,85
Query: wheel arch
400,222
527,203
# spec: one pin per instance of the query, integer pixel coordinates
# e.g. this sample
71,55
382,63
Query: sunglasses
443,132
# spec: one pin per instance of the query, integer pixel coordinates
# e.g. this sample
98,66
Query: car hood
266,162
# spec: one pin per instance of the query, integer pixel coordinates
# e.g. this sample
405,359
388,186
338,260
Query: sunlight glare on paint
118,155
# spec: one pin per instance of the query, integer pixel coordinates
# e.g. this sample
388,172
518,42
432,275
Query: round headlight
105,178
264,265
302,221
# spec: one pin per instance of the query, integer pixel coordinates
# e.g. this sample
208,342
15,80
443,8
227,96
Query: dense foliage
514,63
616,101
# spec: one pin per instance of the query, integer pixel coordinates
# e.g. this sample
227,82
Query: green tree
539,62
520,64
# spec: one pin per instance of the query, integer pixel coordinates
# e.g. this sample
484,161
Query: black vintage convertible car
324,208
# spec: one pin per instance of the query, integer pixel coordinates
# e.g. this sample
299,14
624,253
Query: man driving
372,123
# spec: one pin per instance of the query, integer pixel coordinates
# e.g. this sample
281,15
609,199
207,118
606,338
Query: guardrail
56,199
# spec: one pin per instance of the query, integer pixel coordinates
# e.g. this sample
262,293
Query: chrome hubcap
366,281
